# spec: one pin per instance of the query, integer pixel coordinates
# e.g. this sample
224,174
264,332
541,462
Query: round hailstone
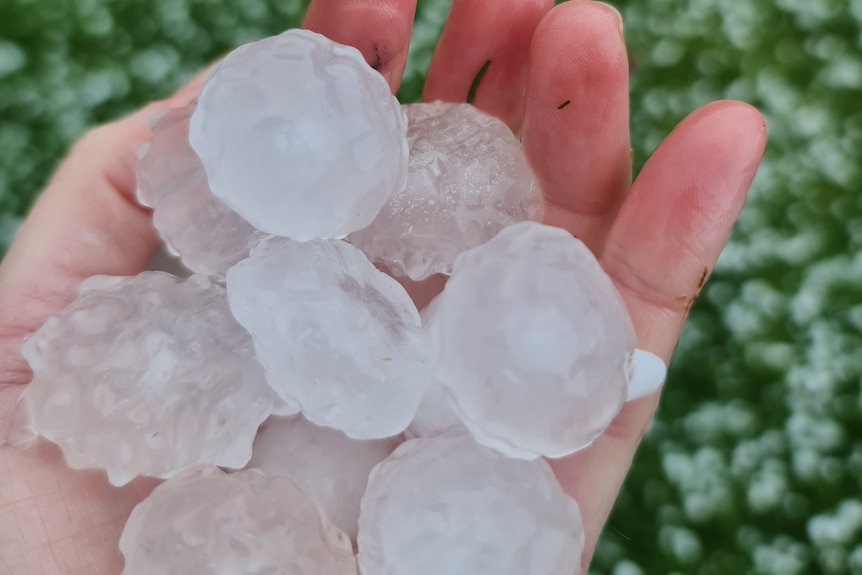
146,375
208,236
301,136
448,505
164,163
325,464
333,332
239,524
467,180
543,364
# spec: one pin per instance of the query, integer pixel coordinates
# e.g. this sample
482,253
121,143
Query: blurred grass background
755,462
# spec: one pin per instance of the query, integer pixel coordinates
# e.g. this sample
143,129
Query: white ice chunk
207,522
648,374
325,464
334,333
146,375
534,344
301,136
435,414
447,505
467,180
207,235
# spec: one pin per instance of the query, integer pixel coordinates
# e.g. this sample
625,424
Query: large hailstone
542,365
146,375
207,522
208,236
467,180
332,332
300,136
326,465
448,505
436,414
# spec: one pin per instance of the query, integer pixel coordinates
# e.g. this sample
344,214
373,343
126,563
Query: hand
560,75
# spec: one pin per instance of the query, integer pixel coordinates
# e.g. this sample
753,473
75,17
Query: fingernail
616,13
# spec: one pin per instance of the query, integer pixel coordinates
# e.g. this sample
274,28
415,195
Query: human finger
380,29
660,251
482,56
576,121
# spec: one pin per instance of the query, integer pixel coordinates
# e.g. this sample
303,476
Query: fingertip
599,25
379,29
576,124
679,214
731,120
577,61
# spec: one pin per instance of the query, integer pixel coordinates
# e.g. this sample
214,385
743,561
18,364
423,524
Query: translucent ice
448,505
324,463
207,522
467,180
333,332
542,365
146,375
435,414
301,136
164,162
208,236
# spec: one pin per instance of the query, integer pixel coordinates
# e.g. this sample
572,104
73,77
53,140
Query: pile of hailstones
288,390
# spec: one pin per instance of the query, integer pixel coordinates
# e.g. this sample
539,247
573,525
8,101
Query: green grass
754,464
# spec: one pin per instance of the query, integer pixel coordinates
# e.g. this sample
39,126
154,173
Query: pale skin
658,238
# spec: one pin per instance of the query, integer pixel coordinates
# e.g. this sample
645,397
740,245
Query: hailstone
146,375
448,505
533,342
467,179
334,333
209,522
325,464
300,136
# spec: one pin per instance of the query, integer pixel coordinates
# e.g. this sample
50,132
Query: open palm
559,75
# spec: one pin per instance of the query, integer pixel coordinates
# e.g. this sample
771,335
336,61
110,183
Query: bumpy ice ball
300,136
207,522
340,337
467,180
533,342
448,505
207,235
146,375
325,464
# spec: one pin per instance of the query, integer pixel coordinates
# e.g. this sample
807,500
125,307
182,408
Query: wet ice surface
146,375
324,463
449,505
467,180
334,333
296,120
528,350
208,522
435,414
208,236
543,364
